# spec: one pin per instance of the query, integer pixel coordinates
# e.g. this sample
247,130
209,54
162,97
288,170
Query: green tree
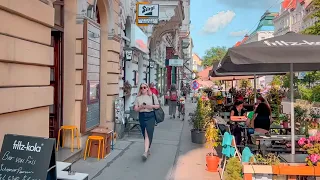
245,83
213,55
311,78
276,81
315,29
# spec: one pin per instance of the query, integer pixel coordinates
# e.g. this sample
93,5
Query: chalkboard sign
27,158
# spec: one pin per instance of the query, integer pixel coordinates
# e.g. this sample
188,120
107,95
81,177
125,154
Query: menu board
27,158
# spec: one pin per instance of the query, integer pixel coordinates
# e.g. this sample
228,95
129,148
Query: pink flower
302,141
314,158
309,145
313,138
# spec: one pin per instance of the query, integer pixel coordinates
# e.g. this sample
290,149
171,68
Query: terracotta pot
220,101
212,163
312,132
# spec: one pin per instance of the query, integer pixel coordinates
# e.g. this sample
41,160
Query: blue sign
195,85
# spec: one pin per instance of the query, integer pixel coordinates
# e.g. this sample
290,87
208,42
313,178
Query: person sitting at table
237,110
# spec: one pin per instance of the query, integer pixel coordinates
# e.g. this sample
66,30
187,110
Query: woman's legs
170,108
174,108
146,141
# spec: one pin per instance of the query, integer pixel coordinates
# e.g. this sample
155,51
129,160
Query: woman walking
145,103
173,99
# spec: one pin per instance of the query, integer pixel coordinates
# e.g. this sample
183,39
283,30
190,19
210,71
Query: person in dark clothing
262,118
237,110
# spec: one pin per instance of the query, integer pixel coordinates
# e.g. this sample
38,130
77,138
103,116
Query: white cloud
249,4
238,33
218,21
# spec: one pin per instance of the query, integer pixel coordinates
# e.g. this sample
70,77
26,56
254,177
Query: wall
25,57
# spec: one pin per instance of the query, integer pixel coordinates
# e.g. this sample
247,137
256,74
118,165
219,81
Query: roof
289,4
204,75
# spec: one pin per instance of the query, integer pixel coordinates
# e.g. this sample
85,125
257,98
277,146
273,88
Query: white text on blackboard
18,145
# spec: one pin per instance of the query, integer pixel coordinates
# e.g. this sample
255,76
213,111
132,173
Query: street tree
213,55
315,29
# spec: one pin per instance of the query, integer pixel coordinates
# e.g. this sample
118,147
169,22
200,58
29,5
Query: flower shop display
284,120
312,146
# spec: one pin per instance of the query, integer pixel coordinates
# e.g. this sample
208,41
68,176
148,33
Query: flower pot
312,132
220,101
285,124
198,136
212,163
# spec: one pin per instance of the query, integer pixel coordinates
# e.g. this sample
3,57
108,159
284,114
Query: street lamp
193,75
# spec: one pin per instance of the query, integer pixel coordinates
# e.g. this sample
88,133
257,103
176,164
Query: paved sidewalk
173,156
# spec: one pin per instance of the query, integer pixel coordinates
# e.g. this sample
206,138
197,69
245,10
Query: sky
224,22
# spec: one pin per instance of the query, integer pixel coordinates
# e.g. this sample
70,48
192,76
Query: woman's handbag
158,113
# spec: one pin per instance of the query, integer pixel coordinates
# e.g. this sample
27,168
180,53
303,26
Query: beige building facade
59,65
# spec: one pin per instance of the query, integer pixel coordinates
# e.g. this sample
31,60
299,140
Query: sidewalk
173,156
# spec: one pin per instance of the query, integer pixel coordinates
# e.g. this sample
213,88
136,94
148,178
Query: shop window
93,91
135,78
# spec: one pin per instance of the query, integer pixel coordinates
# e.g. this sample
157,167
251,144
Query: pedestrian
154,90
173,99
145,104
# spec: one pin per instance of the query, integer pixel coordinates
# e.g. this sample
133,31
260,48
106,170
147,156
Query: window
93,90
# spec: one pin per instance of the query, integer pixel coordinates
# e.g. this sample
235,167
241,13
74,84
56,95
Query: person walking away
173,98
145,104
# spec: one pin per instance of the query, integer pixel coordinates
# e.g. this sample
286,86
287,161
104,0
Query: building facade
264,29
196,63
295,15
70,52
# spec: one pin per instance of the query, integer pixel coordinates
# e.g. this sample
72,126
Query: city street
173,156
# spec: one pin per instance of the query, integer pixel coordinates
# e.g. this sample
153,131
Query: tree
213,55
315,29
245,83
276,81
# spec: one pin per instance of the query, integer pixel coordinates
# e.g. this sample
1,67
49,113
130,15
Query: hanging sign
26,158
128,55
147,14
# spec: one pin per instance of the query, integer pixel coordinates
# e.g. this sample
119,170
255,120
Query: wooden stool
72,128
89,141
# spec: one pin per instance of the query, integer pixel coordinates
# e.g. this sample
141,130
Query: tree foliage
245,83
315,29
213,55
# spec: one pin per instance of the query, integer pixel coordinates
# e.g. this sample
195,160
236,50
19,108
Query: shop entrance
55,111
56,81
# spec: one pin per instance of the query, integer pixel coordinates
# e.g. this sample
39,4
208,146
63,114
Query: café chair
101,141
68,128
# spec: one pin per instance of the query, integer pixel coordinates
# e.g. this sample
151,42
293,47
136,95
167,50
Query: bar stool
100,139
72,129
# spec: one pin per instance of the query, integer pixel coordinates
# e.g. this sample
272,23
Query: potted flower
285,120
312,146
312,126
199,121
315,116
212,138
219,99
233,169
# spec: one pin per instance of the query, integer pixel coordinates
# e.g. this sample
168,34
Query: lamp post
151,65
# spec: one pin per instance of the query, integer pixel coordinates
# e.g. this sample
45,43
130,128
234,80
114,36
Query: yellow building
59,65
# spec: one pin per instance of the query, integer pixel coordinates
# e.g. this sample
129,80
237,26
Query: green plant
219,97
269,159
212,137
312,124
202,115
283,118
312,145
233,169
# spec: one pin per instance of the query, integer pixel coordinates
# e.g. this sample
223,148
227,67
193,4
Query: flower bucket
212,163
312,132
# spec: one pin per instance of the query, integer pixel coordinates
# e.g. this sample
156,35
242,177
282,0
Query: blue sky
224,22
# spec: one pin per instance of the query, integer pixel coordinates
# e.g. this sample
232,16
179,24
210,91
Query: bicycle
181,108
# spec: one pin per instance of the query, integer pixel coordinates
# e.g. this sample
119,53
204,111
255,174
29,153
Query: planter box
297,170
262,172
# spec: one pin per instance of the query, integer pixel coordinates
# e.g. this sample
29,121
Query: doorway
55,110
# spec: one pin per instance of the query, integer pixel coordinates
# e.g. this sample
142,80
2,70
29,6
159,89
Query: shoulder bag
158,113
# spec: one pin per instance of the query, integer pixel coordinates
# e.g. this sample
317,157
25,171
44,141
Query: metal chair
133,121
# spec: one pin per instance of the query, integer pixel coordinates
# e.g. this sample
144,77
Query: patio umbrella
287,53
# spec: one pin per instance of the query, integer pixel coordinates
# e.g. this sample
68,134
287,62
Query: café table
276,137
293,158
